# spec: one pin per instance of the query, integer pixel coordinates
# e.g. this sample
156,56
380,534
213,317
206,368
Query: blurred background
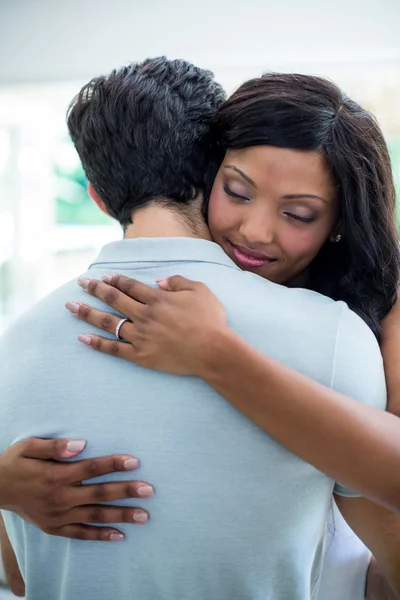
49,228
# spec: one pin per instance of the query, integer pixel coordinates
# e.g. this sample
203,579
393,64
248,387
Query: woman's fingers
144,293
100,514
102,320
96,514
82,470
89,533
131,287
177,283
63,501
108,514
113,347
50,449
96,493
120,301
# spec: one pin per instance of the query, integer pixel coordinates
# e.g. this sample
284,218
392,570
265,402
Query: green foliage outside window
73,205
394,148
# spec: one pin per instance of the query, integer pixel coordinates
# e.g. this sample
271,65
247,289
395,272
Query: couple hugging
231,350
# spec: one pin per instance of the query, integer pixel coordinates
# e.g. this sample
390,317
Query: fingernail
72,306
106,278
83,282
76,445
116,537
131,463
162,280
145,491
85,339
139,516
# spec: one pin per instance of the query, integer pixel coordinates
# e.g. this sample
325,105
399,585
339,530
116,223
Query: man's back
234,515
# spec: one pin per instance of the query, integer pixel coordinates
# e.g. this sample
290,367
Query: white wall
53,40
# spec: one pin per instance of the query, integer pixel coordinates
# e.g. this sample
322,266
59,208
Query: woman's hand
50,494
169,329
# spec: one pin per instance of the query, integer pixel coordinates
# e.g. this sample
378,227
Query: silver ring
118,327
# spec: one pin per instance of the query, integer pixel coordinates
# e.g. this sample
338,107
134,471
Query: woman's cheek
300,245
219,213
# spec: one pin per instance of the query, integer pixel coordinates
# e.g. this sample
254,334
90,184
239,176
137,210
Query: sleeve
358,368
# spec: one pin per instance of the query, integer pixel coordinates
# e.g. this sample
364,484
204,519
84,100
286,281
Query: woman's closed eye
299,217
233,194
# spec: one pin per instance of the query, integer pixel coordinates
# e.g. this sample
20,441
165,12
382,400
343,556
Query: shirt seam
336,348
338,487
159,263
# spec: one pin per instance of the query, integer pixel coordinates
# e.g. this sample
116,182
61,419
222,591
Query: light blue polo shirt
235,516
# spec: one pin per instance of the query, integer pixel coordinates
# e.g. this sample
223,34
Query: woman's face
272,209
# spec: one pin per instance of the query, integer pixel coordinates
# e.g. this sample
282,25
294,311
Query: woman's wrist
4,500
217,355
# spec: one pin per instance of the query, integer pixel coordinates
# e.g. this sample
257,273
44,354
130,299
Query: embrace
240,347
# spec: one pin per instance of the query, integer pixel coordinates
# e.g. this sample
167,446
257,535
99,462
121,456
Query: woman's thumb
176,283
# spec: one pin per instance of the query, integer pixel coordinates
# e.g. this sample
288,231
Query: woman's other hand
48,493
170,328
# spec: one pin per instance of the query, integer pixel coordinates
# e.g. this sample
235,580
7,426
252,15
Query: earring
336,239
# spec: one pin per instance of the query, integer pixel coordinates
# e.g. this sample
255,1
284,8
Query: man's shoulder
358,365
294,299
355,333
44,314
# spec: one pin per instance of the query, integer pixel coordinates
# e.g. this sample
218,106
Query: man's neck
156,220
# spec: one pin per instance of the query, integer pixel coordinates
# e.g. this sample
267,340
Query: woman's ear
94,196
336,234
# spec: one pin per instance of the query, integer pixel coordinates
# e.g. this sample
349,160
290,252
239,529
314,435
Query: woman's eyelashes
290,215
299,218
233,194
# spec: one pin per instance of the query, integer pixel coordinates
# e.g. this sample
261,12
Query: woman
339,240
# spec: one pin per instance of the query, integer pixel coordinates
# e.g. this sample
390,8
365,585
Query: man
235,514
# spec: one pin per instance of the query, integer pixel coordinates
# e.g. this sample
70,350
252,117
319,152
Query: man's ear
94,196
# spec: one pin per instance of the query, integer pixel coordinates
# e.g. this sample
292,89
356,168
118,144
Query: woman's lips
250,258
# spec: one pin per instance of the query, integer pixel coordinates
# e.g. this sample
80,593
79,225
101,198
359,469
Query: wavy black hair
311,113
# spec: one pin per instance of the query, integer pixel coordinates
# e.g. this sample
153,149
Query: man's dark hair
143,133
303,112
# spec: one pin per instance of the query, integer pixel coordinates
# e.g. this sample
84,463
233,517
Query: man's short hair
143,133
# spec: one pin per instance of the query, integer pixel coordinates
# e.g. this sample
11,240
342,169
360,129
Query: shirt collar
156,250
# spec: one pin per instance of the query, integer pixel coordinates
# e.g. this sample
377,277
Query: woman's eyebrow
285,197
299,196
246,177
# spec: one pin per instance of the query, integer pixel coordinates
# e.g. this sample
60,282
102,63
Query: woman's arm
379,529
377,586
11,568
355,444
390,348
185,332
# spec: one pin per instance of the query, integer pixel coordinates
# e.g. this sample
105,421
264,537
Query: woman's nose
258,230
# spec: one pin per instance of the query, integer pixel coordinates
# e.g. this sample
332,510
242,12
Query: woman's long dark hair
311,113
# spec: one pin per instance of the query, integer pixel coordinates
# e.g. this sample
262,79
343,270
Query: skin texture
377,587
11,568
277,202
379,529
50,495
